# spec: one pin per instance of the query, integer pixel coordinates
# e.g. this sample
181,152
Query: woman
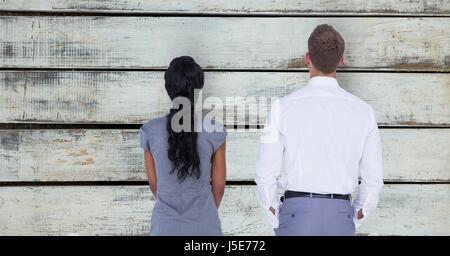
186,169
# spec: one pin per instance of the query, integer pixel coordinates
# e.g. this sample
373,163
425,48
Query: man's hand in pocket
360,214
272,210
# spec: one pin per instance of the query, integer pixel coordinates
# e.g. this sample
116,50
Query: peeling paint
8,50
9,140
425,66
296,63
447,61
88,161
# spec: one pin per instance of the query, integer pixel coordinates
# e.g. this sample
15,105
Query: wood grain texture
126,210
286,7
134,97
218,42
419,155
139,42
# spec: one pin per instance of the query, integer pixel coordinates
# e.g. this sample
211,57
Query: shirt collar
323,82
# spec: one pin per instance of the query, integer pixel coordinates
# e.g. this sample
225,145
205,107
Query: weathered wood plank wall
218,42
286,7
103,97
126,210
85,155
97,64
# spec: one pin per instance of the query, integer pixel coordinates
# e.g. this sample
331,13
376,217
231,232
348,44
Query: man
317,143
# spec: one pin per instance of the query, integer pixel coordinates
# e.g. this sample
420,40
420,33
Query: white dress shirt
320,139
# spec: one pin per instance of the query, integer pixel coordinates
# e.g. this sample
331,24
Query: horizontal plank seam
136,126
98,183
243,70
145,183
268,14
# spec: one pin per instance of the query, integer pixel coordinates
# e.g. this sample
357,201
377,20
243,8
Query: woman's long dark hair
181,78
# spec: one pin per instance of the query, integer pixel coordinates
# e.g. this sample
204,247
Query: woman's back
183,207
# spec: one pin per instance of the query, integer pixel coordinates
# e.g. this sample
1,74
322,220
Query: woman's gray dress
187,207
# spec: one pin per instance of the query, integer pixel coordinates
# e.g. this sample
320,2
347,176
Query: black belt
290,194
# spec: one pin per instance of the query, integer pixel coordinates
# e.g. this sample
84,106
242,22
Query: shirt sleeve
269,166
371,176
144,139
218,138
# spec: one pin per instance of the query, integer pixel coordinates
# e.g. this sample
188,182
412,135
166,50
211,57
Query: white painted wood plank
106,210
102,155
122,210
218,42
286,7
411,210
134,97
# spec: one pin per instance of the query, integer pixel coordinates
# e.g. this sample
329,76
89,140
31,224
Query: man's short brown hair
325,47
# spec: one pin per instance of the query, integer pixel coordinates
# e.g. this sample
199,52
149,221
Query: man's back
316,145
323,129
